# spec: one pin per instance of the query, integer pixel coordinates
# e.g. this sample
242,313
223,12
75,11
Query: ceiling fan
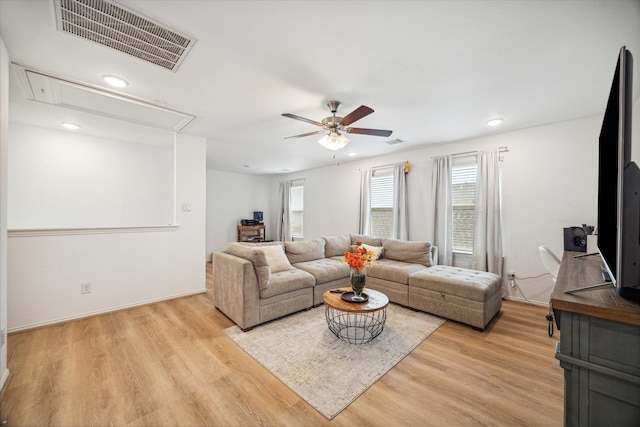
334,140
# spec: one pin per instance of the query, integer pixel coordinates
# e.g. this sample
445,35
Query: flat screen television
619,187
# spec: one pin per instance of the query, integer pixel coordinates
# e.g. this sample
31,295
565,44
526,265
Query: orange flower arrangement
360,258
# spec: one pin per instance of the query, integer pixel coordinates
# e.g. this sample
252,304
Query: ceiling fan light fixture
334,141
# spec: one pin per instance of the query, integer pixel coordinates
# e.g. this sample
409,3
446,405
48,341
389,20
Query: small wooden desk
599,347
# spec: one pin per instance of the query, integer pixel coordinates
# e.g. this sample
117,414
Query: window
381,214
463,196
296,206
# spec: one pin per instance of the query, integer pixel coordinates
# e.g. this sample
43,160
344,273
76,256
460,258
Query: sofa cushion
304,250
394,271
287,281
325,269
276,258
257,258
462,282
377,250
336,245
407,251
369,240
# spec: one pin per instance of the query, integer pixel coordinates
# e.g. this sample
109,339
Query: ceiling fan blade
293,116
356,114
374,132
306,134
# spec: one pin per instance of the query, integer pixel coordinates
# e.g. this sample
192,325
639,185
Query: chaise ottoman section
467,296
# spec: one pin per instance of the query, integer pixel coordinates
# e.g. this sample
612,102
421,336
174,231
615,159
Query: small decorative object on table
358,259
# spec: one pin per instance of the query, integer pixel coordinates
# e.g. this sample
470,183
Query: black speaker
257,215
575,239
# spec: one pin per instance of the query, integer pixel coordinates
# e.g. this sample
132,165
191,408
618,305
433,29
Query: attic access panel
51,90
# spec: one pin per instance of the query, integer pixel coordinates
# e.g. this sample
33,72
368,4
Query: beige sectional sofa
254,283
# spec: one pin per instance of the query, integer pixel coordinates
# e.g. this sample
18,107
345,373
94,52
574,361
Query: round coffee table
356,322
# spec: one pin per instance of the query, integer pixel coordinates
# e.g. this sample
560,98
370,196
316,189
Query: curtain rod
390,165
387,166
468,153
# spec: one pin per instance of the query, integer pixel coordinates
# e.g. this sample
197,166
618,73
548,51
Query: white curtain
400,203
283,229
441,209
487,237
365,201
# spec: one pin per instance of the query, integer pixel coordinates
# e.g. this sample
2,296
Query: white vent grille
394,141
113,26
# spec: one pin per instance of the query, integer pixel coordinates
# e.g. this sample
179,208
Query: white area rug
328,373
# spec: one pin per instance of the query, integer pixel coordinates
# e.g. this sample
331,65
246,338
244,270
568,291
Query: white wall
63,179
230,198
4,144
125,269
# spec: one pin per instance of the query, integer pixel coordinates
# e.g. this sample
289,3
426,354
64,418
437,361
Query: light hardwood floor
170,364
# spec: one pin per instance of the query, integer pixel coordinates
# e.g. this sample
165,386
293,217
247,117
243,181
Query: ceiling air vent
394,141
113,26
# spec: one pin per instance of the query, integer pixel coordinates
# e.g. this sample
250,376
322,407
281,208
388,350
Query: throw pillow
377,250
369,240
276,258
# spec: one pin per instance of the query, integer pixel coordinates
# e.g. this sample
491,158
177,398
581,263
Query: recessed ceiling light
115,81
71,126
494,122
351,154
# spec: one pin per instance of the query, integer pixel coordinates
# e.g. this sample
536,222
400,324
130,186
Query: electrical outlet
85,287
511,275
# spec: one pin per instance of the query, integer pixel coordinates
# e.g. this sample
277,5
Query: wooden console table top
604,303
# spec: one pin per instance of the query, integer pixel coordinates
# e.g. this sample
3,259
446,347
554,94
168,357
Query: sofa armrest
235,289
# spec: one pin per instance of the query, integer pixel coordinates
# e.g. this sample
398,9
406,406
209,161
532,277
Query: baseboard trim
100,312
520,299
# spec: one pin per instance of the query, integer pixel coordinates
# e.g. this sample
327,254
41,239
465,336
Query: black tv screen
618,186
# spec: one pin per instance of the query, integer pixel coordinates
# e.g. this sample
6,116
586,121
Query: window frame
464,165
385,200
295,185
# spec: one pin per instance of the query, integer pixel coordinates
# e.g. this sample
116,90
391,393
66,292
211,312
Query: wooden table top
377,301
604,303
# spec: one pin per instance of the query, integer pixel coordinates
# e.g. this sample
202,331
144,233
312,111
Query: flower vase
358,281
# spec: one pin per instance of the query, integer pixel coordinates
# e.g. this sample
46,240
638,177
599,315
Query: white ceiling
433,71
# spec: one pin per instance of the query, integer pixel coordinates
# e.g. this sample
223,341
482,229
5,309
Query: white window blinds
463,195
381,214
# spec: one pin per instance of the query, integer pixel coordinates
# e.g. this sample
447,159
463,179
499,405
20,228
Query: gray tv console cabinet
599,347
